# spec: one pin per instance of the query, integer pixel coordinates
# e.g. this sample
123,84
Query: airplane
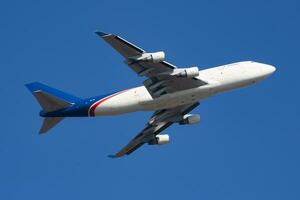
171,93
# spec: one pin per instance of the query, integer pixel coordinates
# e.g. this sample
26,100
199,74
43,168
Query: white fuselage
219,79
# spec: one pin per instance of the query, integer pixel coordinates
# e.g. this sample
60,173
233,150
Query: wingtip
101,34
112,156
41,132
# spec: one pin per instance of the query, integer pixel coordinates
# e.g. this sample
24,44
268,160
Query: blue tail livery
57,104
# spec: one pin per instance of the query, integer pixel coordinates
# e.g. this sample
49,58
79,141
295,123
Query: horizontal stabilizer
50,122
50,103
49,98
36,86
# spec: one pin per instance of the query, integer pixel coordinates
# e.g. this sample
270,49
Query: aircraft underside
170,92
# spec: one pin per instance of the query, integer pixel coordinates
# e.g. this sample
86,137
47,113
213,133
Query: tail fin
50,100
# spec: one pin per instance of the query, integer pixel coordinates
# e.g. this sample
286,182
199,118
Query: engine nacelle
160,139
190,119
189,72
154,57
148,57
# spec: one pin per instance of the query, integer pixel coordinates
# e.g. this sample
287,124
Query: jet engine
160,139
149,57
189,72
154,57
190,119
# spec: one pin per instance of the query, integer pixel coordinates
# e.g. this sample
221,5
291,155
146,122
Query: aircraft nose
268,69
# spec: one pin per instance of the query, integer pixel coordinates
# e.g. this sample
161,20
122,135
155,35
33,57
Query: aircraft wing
159,121
162,77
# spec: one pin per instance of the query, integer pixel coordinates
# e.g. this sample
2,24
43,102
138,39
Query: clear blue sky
247,146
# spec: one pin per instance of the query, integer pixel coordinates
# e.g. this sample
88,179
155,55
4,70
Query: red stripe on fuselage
95,105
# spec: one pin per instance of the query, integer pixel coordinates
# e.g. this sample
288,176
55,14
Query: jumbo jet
171,93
